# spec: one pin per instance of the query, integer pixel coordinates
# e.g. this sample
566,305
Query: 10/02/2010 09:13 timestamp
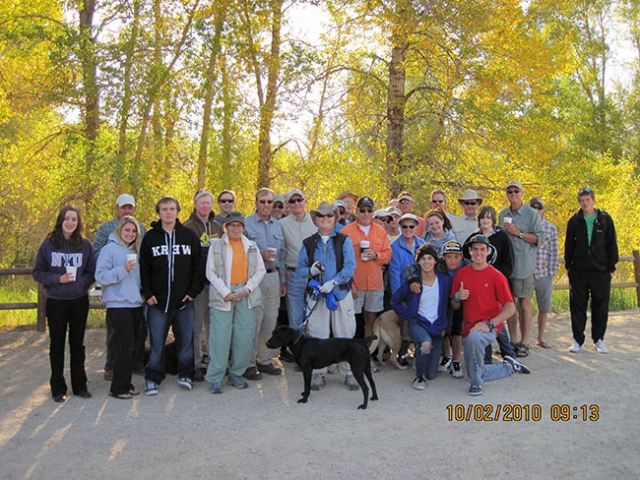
522,413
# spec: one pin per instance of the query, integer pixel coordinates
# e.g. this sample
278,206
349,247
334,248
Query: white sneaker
600,348
575,348
445,363
455,370
419,383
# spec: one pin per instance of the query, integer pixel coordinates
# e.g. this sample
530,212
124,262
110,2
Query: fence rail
42,297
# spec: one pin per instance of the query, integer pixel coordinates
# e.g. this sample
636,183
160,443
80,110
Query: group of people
222,282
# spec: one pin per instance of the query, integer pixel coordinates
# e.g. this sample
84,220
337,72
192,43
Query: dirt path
262,433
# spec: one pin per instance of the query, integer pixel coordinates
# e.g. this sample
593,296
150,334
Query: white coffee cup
272,251
507,220
73,271
364,245
132,256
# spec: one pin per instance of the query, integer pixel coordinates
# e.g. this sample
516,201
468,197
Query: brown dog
388,329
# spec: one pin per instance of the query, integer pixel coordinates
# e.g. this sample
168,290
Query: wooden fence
40,304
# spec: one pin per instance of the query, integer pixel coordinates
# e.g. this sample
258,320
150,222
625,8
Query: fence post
636,274
42,309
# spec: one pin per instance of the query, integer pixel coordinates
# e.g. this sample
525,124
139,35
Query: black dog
310,353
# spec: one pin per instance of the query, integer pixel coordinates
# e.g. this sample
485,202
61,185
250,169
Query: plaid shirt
547,254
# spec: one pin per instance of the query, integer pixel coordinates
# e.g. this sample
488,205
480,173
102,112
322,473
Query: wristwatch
521,234
490,325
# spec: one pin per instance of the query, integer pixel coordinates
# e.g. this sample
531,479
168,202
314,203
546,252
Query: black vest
310,244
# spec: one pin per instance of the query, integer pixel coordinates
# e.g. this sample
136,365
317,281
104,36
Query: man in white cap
125,205
467,223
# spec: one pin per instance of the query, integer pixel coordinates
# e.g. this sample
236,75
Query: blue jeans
505,347
181,322
474,345
296,308
426,362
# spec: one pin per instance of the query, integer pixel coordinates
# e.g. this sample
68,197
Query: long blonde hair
123,221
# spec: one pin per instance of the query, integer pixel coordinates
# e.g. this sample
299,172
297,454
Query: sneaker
108,375
351,383
419,383
237,382
185,383
475,390
575,348
333,368
83,394
456,370
252,373
600,348
444,364
150,388
374,366
318,381
270,369
517,366
216,387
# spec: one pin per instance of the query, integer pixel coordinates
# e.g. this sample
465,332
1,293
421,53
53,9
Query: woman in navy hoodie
428,313
118,273
65,266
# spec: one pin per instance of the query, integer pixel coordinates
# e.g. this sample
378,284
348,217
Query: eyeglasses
537,207
404,227
433,200
226,200
365,210
278,205
296,200
404,201
511,192
470,203
266,201
323,215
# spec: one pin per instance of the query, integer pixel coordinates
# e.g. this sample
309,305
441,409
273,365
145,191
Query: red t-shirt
488,293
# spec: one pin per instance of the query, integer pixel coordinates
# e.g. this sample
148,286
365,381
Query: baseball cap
365,201
125,199
451,247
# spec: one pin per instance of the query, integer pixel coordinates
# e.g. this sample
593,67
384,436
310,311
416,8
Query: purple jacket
52,263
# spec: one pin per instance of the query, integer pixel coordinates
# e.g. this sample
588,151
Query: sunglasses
537,207
404,201
469,203
279,206
266,201
433,200
226,200
585,191
296,200
404,227
323,215
365,210
511,192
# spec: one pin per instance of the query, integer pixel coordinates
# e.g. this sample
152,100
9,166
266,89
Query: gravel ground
262,433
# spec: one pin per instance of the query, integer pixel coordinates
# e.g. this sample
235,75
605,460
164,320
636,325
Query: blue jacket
401,258
120,289
406,304
326,255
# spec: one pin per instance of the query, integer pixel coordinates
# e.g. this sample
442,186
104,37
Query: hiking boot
252,373
269,369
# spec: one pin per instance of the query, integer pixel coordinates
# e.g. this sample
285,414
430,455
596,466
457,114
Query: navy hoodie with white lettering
52,263
170,265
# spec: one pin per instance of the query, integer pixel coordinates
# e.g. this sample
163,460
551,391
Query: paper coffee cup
507,219
272,250
73,271
132,256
